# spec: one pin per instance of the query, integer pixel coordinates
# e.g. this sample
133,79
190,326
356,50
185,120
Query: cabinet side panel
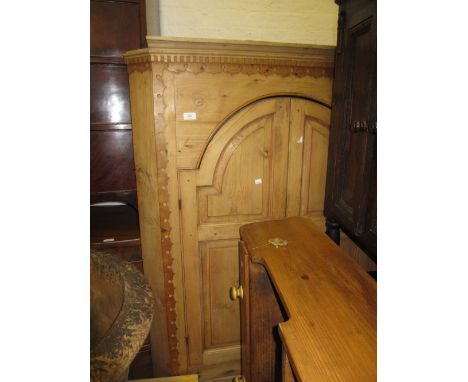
265,315
144,143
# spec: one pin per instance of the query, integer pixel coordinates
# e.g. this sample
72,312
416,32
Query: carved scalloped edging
249,69
199,64
284,69
139,68
164,214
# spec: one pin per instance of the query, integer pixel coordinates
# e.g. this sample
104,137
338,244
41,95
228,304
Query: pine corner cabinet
225,133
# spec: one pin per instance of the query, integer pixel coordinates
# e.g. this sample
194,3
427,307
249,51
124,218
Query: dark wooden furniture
328,303
116,230
351,192
116,27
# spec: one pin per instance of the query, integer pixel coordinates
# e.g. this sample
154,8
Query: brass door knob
238,379
236,293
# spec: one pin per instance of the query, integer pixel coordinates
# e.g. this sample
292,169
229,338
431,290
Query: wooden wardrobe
115,28
225,133
351,202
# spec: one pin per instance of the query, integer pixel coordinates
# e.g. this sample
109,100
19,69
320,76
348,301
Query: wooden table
320,310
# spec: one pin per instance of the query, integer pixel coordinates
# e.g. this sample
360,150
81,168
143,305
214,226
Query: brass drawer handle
235,293
238,379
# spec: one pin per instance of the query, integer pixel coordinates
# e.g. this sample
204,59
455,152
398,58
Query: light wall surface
152,18
293,21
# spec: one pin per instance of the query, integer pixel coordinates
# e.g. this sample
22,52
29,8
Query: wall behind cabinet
298,21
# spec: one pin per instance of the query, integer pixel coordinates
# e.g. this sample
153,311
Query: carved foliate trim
164,215
144,60
248,69
139,67
281,68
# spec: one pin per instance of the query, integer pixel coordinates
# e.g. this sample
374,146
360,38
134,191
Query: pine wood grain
242,94
287,372
330,301
141,90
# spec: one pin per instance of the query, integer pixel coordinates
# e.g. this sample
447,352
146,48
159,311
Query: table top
330,334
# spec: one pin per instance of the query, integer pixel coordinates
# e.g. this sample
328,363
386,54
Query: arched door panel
253,169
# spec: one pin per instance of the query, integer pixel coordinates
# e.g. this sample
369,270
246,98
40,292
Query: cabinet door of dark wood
116,27
351,180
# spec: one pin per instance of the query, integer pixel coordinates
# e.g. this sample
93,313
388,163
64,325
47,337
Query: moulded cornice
190,50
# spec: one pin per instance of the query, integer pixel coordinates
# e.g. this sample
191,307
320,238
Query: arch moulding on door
224,133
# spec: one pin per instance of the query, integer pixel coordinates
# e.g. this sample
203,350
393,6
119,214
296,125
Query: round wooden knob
235,293
238,379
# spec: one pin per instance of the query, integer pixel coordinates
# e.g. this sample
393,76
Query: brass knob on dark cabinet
236,293
238,379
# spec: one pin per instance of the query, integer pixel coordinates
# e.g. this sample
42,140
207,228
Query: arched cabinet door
266,162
